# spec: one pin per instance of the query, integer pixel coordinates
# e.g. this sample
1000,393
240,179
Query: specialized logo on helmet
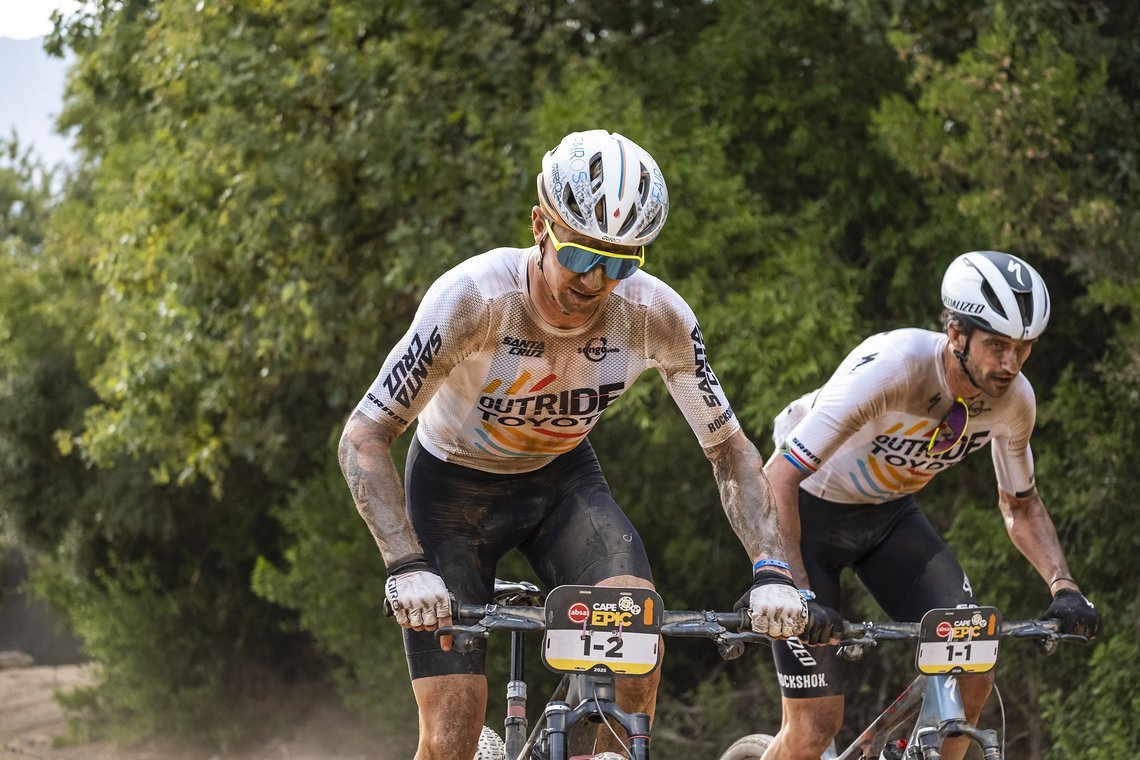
963,306
1016,268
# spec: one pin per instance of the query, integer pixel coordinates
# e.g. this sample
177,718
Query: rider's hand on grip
823,627
1076,614
775,606
419,599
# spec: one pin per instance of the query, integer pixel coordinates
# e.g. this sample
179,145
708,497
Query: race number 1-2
602,630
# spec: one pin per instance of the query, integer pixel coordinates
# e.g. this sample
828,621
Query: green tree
265,191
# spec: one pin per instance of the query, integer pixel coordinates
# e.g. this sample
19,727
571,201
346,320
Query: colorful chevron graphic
883,475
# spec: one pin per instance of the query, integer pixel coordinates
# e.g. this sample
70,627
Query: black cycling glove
824,624
1076,614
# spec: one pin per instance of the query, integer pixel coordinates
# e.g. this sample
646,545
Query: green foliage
266,190
40,388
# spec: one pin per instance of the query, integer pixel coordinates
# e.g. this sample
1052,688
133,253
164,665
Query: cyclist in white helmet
510,360
904,406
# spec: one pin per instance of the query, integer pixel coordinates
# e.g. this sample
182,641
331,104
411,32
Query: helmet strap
546,282
541,252
962,356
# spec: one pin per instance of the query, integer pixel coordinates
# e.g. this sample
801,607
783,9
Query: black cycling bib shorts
562,517
893,549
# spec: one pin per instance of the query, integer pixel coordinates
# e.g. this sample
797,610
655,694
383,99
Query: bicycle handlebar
856,635
725,628
728,629
498,617
1022,629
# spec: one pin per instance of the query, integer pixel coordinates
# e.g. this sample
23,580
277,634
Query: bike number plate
595,629
958,640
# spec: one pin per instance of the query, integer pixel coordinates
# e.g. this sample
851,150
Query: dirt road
31,720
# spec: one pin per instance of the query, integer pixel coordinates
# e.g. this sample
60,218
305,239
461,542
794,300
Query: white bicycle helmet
604,186
998,293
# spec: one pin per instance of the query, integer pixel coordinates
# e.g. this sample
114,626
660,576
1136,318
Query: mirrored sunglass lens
619,269
577,259
950,430
581,261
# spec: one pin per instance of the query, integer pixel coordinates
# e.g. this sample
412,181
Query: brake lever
462,630
1073,637
862,641
729,650
731,644
464,638
852,651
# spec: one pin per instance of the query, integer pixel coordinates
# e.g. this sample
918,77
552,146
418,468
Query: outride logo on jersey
570,408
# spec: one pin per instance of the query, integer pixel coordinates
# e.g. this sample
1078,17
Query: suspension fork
515,724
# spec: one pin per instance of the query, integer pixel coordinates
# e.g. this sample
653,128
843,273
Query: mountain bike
951,642
592,635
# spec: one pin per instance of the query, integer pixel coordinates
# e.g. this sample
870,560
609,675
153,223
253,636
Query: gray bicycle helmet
604,186
998,293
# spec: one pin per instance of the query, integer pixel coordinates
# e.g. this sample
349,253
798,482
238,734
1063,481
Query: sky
25,19
32,82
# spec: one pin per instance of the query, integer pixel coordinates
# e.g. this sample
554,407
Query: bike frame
595,693
937,700
932,701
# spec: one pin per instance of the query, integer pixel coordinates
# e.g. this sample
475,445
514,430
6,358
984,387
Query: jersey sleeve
1013,458
676,347
451,322
869,382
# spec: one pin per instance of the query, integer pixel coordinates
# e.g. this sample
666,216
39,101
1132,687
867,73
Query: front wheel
751,747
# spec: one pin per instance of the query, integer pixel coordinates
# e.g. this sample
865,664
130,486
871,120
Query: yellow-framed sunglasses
951,429
581,258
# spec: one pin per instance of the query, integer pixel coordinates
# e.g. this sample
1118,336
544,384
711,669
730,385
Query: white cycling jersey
498,389
863,436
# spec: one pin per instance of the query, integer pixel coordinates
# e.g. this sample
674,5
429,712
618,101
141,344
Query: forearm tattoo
366,461
747,497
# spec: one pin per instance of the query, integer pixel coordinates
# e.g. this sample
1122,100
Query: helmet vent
630,221
643,185
992,299
595,184
1025,306
571,202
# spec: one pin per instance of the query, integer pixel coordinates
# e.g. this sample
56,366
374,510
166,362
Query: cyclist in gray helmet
511,359
904,406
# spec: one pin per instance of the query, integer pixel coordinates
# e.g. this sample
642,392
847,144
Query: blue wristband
762,563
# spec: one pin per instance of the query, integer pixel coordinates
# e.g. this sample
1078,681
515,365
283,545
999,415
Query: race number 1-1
598,629
958,640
